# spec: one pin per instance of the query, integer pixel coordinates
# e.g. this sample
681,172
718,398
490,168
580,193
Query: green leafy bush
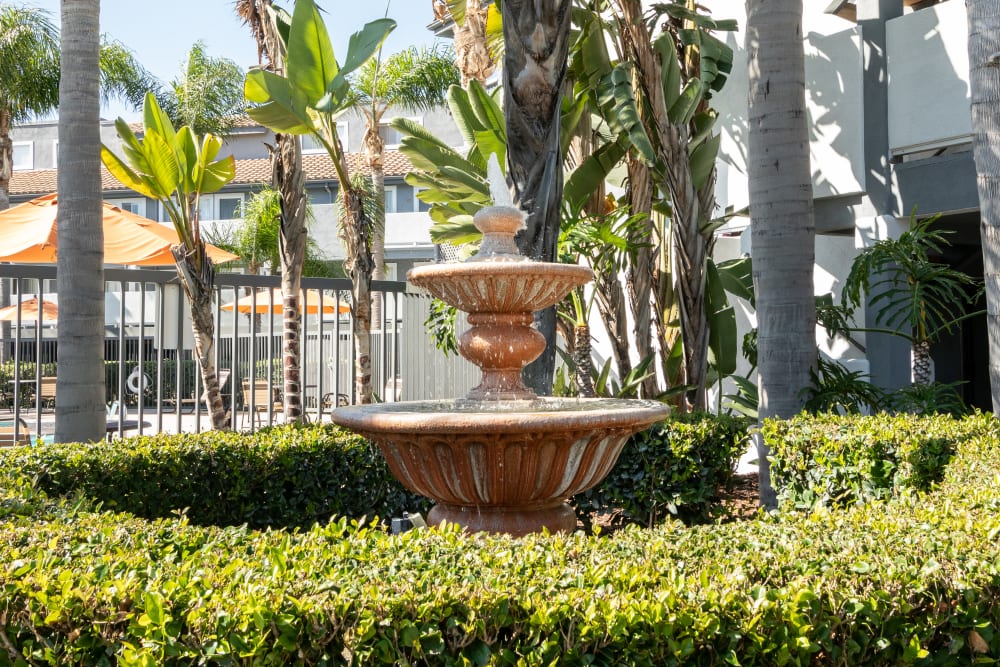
836,460
283,476
674,468
913,580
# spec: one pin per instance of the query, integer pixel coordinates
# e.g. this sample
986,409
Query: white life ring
137,381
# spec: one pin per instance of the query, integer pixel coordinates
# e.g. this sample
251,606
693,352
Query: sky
161,33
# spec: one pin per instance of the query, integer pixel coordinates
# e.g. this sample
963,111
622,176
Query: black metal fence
151,373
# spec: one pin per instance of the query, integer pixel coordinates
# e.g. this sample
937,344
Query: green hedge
283,476
292,476
675,468
913,580
838,459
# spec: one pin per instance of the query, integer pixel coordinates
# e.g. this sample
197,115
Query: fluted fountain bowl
504,466
516,286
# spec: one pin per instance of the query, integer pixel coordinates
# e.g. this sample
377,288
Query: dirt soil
739,503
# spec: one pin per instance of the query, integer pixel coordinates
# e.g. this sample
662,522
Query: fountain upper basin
500,286
539,415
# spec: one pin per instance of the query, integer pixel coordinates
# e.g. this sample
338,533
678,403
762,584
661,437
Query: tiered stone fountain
501,459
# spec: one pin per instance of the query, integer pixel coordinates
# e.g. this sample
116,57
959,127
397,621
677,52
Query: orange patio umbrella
262,303
28,235
30,311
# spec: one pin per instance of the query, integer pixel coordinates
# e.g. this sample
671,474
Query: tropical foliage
176,168
208,94
911,293
314,90
606,130
412,79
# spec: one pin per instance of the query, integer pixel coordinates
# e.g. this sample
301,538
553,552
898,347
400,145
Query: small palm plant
913,296
176,168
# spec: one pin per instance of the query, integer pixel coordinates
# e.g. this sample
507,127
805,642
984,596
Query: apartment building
407,222
887,91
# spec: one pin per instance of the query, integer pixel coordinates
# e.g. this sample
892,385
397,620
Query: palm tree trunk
288,179
781,214
472,55
923,365
984,65
374,147
536,35
582,361
80,410
640,270
203,326
355,233
6,169
611,305
197,278
688,243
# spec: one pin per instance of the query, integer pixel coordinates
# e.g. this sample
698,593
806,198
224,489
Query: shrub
674,468
914,580
282,476
835,460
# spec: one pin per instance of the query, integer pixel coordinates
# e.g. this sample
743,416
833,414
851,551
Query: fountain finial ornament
499,223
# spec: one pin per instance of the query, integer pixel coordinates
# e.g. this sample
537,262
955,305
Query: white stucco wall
929,78
834,104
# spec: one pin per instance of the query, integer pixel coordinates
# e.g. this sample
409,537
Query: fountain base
502,467
558,518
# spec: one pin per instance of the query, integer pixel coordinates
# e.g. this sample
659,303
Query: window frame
31,155
343,131
385,122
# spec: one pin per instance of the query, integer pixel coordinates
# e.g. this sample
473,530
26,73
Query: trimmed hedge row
834,460
288,476
674,468
294,475
913,580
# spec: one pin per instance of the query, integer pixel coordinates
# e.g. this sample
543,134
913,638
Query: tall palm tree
984,47
29,79
782,225
29,76
413,79
80,414
536,41
472,50
288,179
307,100
208,95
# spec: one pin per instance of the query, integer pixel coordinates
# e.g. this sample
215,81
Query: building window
419,204
131,205
230,207
310,145
24,155
390,199
55,154
392,137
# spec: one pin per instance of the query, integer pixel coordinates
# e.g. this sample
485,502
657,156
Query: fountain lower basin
505,466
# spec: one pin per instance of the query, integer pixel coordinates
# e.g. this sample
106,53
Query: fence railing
151,375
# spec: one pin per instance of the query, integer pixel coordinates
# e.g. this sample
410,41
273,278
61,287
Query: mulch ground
741,502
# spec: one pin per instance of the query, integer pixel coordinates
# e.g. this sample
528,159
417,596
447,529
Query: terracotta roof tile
317,166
